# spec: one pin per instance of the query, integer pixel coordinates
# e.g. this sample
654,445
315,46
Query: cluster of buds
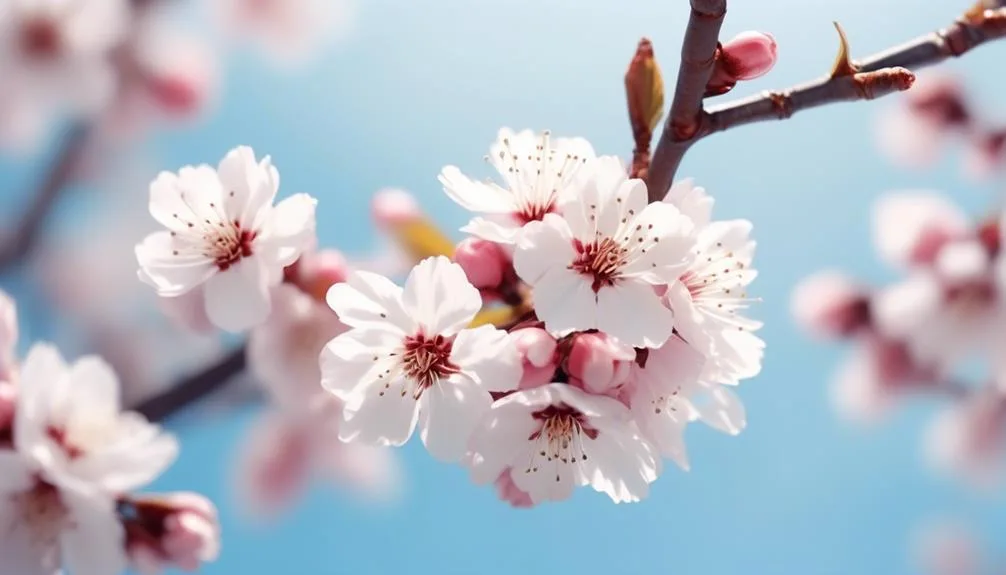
71,461
915,335
937,112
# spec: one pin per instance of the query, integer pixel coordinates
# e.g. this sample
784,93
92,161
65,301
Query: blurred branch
873,77
18,245
194,388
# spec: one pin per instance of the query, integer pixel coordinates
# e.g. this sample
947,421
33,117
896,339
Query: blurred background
398,90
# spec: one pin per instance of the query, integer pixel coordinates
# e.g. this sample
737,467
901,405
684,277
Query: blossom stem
875,76
24,238
194,387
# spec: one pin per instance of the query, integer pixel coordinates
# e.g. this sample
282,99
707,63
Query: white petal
92,392
724,411
20,551
375,419
623,464
490,356
900,308
502,438
667,241
348,361
93,544
475,196
449,414
42,375
498,232
367,299
238,298
692,200
289,230
633,313
177,200
439,297
542,247
170,274
564,300
138,454
963,261
254,185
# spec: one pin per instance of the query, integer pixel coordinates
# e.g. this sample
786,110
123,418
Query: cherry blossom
178,530
557,437
55,57
408,360
711,292
539,172
223,233
73,453
596,266
910,227
831,304
969,439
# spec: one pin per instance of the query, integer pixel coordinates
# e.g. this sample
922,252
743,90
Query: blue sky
422,84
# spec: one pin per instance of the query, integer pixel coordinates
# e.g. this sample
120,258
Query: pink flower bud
316,272
830,304
538,350
484,262
749,55
188,311
599,363
394,206
178,530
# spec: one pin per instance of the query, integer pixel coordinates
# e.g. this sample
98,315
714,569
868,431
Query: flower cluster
621,325
917,334
935,113
574,336
70,462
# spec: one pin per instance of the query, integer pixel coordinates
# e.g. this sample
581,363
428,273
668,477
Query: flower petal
93,542
633,313
564,300
16,473
723,411
475,196
238,298
138,454
172,275
253,183
367,299
289,230
449,414
375,419
501,439
42,375
490,356
439,297
543,246
355,359
661,243
92,392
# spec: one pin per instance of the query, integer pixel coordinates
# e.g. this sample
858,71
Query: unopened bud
644,89
316,272
178,530
538,351
598,362
485,263
747,56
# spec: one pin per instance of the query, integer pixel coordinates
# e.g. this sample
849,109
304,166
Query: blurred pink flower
829,304
948,549
285,450
289,32
910,227
8,336
874,377
968,439
985,155
913,132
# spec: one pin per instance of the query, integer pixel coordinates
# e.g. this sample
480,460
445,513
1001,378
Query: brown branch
876,76
698,58
193,388
24,238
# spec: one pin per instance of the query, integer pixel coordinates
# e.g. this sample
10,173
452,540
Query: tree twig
193,388
19,244
877,75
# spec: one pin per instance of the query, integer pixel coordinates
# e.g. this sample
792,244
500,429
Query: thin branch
193,388
20,243
698,58
876,76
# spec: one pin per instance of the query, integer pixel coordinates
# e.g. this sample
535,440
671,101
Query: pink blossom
485,263
913,132
392,206
188,311
968,440
317,271
985,155
910,227
948,549
830,304
872,379
599,363
8,335
178,530
539,355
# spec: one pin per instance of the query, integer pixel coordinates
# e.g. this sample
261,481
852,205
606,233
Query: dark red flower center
40,38
601,261
427,360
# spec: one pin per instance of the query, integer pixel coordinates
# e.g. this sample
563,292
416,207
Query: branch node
843,66
782,104
872,85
